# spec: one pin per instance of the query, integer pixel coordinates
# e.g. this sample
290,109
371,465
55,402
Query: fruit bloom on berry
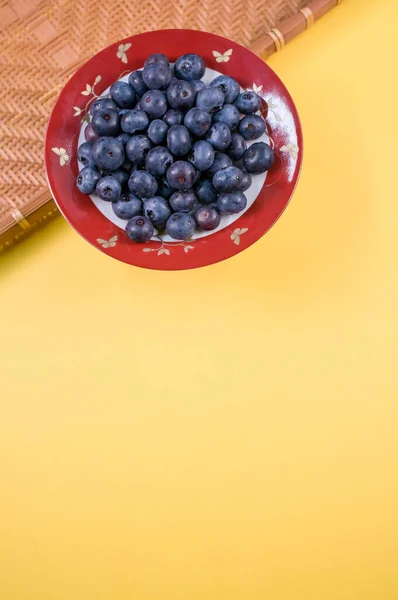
180,226
248,102
183,201
154,103
207,217
108,153
181,175
228,180
229,87
258,158
142,184
140,229
106,122
127,206
87,180
229,203
108,188
190,67
123,94
157,209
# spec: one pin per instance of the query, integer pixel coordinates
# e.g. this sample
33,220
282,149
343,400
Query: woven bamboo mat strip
43,42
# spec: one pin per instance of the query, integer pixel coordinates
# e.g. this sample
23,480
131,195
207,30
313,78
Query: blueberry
108,188
183,201
127,206
230,203
178,140
190,67
137,148
197,121
142,184
157,209
180,226
228,180
258,158
219,136
85,154
90,134
123,137
246,181
154,103
237,147
139,229
120,174
205,191
157,131
108,153
156,76
158,160
198,85
201,155
207,218
221,161
252,127
123,94
106,122
229,115
102,103
173,117
180,95
181,175
165,190
229,87
210,99
137,83
88,179
248,102
134,120
157,59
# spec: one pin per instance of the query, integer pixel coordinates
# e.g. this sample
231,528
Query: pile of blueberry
170,152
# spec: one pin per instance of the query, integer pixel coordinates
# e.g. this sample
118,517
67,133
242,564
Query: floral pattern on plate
63,156
220,58
121,52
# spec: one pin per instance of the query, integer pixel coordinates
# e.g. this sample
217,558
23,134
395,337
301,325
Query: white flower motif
257,88
63,156
271,107
222,57
166,251
121,53
111,243
87,91
235,235
290,149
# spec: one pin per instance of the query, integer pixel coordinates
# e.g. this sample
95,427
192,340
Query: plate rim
172,264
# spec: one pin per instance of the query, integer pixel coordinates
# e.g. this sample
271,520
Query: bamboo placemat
42,42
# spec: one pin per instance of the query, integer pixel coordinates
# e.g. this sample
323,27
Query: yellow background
245,448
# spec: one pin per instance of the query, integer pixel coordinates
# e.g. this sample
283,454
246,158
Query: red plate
109,65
